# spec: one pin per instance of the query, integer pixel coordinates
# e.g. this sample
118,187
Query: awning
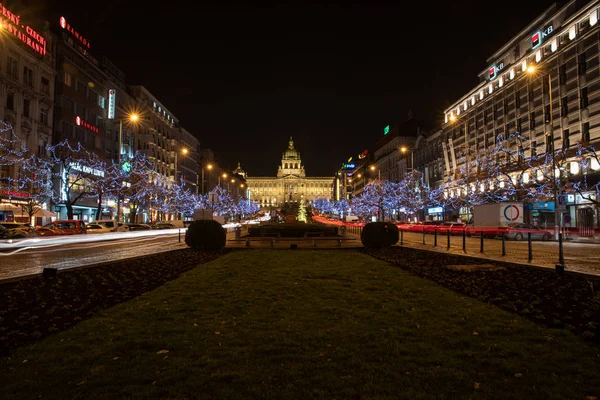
44,213
8,207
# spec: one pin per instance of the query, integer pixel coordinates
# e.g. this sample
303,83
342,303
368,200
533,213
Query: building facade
539,95
290,185
27,69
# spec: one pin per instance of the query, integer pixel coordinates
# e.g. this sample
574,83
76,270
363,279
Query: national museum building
291,184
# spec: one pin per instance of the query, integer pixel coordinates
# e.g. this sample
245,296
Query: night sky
244,78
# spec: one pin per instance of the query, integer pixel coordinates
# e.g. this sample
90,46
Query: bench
273,239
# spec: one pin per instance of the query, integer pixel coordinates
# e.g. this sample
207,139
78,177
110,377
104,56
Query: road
62,253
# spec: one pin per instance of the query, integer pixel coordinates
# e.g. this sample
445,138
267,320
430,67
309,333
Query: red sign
87,125
535,40
14,194
77,35
26,34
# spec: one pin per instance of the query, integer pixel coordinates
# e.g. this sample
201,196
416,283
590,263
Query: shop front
434,214
16,207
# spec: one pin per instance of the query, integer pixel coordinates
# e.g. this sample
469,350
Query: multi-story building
539,94
82,91
172,148
291,185
389,160
27,61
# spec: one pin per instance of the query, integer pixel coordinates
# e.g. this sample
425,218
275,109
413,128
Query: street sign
562,200
567,218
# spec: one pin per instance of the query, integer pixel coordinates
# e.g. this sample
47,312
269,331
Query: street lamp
184,151
467,166
404,150
209,167
132,118
373,168
560,267
224,177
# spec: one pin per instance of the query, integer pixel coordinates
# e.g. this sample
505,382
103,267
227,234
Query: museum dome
290,152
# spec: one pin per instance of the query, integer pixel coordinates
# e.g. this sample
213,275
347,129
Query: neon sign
26,34
537,37
495,69
66,26
85,169
386,130
112,94
349,166
11,193
87,125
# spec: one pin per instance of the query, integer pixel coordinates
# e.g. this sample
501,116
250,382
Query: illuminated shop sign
538,37
494,70
66,26
11,193
112,95
85,124
86,169
12,24
386,130
349,166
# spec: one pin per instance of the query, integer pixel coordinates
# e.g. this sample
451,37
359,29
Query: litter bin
343,230
238,232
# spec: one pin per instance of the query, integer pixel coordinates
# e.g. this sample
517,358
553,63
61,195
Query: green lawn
286,324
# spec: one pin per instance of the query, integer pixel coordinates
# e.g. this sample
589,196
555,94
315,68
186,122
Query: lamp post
467,165
184,151
560,267
134,118
224,175
209,167
378,171
404,150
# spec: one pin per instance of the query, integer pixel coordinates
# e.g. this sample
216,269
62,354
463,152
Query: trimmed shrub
379,234
206,234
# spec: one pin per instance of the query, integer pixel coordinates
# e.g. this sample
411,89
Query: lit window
481,95
525,177
575,166
446,118
458,110
554,45
154,104
511,74
538,56
500,82
465,106
490,88
572,32
595,165
540,175
473,100
482,187
594,18
159,109
524,65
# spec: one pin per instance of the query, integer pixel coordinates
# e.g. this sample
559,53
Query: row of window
12,70
85,137
81,111
27,103
83,89
568,36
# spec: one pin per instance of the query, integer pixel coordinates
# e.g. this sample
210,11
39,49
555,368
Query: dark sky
243,78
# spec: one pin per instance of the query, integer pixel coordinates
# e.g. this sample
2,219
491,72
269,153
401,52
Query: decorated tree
35,180
322,204
374,200
301,217
411,193
183,201
11,154
342,207
221,201
75,169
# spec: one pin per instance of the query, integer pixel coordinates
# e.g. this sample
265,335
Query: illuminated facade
27,72
539,93
290,185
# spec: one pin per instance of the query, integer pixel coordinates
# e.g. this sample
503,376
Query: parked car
139,227
62,227
112,225
3,232
163,225
520,231
18,230
97,228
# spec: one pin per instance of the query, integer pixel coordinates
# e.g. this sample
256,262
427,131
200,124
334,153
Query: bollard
529,249
401,238
179,235
434,237
464,240
481,242
423,235
448,239
560,268
503,245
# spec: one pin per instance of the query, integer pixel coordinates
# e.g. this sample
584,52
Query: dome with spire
239,171
291,153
